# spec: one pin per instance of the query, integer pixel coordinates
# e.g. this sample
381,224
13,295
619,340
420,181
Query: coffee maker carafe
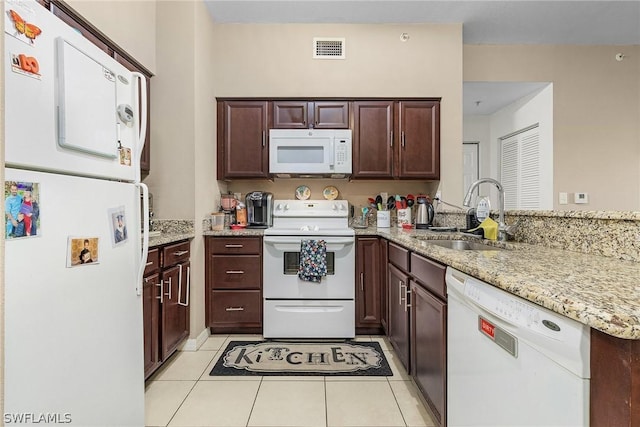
259,209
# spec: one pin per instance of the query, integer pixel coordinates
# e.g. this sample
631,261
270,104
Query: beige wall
130,24
276,60
596,114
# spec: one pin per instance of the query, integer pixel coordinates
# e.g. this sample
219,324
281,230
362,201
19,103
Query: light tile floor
182,393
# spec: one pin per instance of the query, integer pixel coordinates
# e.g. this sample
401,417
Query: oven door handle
273,240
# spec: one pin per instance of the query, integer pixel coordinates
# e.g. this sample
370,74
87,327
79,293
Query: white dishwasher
511,362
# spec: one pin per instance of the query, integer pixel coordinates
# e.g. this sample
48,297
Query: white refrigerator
74,250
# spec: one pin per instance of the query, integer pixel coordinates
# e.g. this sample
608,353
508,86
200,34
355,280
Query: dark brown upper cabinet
300,114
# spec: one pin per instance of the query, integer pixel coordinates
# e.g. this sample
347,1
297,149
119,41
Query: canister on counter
241,215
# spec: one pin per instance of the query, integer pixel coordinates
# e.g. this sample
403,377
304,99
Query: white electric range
294,308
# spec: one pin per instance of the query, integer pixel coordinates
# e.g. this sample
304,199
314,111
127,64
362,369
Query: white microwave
310,152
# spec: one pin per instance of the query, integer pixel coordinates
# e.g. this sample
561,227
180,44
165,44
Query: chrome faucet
502,226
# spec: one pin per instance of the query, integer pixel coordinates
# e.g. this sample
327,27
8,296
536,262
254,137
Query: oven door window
292,263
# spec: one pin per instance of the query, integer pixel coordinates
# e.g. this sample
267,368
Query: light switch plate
562,198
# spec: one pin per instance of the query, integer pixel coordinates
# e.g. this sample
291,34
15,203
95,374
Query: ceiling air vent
328,48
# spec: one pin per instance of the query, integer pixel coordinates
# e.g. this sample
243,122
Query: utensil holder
404,216
384,219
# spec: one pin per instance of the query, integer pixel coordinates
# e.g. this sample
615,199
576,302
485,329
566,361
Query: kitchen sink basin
463,245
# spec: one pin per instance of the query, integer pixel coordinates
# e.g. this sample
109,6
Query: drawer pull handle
169,293
234,309
180,253
361,282
234,271
233,246
148,264
160,297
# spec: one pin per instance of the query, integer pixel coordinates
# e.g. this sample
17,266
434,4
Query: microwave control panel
342,154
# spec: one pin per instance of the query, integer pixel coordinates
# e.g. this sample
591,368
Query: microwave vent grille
328,48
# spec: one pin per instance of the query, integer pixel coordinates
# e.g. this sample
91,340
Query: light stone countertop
601,292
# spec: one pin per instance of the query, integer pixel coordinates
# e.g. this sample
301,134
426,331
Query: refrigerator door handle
186,303
145,235
142,119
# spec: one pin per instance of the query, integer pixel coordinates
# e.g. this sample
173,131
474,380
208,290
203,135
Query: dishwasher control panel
513,309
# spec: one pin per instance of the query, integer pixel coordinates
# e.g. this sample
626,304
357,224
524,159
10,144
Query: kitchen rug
364,358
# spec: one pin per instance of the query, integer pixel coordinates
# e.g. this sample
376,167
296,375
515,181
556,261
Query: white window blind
520,169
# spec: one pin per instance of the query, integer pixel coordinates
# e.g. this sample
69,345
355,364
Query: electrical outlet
439,195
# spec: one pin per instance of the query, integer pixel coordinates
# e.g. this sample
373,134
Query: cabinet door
145,158
242,139
429,349
419,128
150,314
331,114
290,114
368,304
175,317
398,322
372,139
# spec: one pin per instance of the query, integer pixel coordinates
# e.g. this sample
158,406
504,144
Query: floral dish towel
313,260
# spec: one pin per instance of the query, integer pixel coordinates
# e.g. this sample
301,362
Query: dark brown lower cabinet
398,321
369,279
165,303
429,349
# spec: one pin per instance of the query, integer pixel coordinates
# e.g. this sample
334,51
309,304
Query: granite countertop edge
168,238
601,292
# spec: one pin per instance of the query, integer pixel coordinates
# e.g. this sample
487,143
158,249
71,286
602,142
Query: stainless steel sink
462,245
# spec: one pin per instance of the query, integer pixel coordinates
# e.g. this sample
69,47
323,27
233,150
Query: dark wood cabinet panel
419,133
303,114
237,309
615,381
398,321
372,139
175,316
384,256
431,275
368,283
242,139
331,114
233,283
429,349
290,114
150,315
396,139
236,272
399,256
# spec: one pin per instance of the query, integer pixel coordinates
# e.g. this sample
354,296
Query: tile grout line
397,403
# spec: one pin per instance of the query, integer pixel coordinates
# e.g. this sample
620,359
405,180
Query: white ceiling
591,22
484,22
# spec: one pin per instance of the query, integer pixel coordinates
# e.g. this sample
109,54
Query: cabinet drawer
235,307
236,272
430,274
176,253
237,245
399,256
153,261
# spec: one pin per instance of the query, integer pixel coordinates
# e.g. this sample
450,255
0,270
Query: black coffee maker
259,209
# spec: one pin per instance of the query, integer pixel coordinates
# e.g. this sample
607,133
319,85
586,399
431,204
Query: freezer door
62,95
73,331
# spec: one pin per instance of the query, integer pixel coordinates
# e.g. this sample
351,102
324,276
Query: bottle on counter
241,214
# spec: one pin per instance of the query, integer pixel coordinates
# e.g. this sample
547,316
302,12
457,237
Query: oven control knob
279,207
286,207
341,207
334,207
